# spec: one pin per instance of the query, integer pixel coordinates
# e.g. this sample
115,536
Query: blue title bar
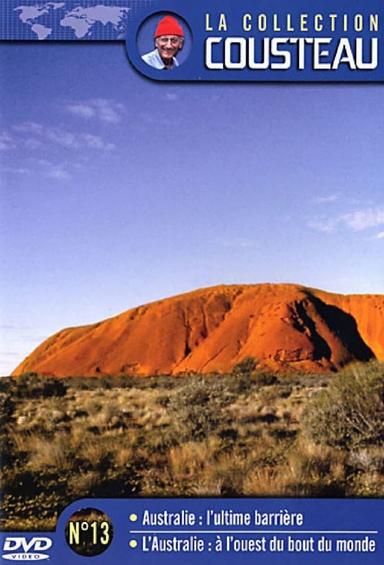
214,531
266,41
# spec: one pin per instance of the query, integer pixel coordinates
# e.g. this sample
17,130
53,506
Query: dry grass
230,435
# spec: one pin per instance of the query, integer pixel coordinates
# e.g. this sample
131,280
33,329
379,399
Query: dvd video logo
20,549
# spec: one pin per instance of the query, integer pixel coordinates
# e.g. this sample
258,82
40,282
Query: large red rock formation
284,326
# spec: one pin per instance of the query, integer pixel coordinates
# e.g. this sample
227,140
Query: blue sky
116,191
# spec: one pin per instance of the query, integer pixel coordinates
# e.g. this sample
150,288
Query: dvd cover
194,193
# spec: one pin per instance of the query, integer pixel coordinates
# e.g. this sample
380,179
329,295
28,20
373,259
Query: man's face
168,45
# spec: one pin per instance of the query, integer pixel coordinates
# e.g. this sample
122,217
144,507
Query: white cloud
41,162
364,219
171,96
6,141
103,109
326,199
96,142
380,235
29,127
72,140
81,110
42,167
322,225
58,136
63,137
358,220
17,170
57,173
154,118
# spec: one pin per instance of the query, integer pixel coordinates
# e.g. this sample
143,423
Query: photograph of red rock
285,327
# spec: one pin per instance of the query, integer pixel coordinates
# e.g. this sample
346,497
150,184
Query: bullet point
133,517
133,543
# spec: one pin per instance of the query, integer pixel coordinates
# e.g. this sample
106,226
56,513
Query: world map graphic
67,19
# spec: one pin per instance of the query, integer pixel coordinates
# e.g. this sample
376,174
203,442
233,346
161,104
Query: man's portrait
169,40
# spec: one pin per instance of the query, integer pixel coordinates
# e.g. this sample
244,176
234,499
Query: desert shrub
19,482
6,452
367,485
245,366
367,459
31,385
197,407
7,407
350,412
6,384
305,470
195,417
274,392
263,379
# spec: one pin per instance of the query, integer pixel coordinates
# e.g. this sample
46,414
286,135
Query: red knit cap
169,26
